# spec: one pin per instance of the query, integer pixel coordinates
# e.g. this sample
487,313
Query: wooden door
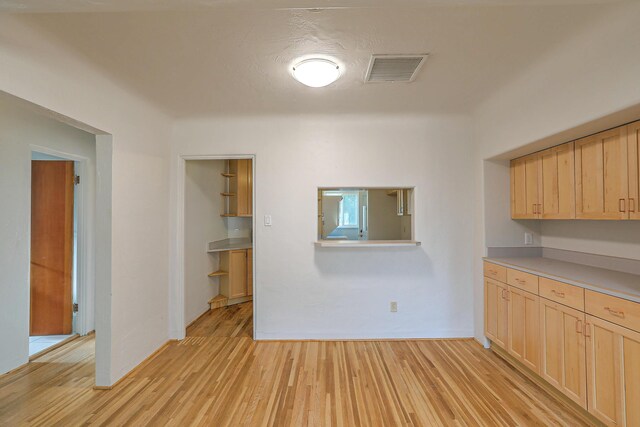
51,311
563,355
237,273
633,155
602,175
496,312
557,191
249,272
525,182
524,327
613,361
244,196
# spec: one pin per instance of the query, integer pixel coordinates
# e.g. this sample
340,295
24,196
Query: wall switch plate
393,306
267,220
528,239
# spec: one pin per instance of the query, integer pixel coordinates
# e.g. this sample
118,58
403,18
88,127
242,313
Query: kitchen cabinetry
496,312
633,155
583,342
595,177
239,193
602,175
525,181
236,266
542,184
613,360
563,350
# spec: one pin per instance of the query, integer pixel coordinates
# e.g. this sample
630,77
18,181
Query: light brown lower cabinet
524,327
249,272
613,361
234,284
496,312
563,350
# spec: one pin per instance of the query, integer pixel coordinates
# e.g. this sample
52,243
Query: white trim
177,307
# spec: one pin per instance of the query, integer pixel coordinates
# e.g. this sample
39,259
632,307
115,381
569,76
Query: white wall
586,77
21,128
203,224
131,316
306,292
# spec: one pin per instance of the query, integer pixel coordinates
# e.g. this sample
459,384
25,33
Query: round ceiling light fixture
316,72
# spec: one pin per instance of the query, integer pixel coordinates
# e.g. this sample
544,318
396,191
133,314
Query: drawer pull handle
617,313
622,205
632,205
587,330
535,211
579,326
521,281
557,293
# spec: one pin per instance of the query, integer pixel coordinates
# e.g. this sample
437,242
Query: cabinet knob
622,205
579,326
632,205
587,330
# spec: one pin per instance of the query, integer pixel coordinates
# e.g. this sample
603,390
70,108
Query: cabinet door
557,192
496,312
613,361
563,362
244,195
601,175
237,273
249,272
525,181
633,154
524,327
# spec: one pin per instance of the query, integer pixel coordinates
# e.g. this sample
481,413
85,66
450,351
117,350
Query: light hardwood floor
218,376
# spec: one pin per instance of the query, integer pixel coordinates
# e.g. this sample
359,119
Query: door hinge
76,180
75,307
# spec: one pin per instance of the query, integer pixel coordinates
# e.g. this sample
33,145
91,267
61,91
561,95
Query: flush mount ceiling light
316,72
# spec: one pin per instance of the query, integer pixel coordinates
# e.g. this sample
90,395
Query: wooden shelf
235,216
218,273
228,175
228,194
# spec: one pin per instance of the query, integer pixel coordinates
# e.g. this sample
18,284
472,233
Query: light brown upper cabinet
557,198
633,154
543,186
239,192
525,182
602,179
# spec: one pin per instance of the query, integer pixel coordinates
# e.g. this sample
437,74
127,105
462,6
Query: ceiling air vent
394,68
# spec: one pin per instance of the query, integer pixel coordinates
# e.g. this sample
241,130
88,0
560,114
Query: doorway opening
217,244
53,267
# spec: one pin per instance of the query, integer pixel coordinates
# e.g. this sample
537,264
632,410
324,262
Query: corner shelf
218,273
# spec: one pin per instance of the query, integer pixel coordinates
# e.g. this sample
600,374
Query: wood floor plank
219,376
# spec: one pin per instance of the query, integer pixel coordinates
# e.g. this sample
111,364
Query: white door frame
85,267
178,313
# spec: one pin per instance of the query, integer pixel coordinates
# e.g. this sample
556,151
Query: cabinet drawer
495,271
615,310
572,296
525,281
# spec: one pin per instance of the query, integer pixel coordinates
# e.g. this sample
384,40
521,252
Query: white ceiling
230,60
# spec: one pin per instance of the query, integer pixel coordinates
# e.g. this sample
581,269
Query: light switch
528,239
267,220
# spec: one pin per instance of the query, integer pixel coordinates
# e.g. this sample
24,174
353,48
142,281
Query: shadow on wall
612,238
364,262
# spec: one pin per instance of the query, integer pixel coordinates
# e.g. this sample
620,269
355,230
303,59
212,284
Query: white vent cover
394,68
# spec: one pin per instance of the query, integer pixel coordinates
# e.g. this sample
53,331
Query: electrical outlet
394,306
528,239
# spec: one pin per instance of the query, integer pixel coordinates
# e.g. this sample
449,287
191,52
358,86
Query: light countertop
229,245
611,282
